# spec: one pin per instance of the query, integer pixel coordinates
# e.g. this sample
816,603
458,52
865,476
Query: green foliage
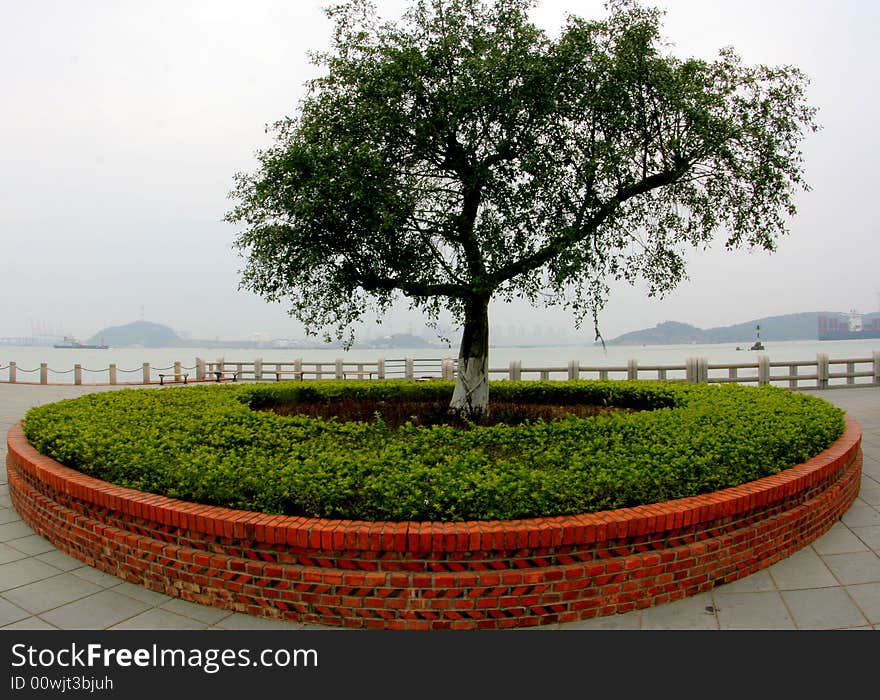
207,444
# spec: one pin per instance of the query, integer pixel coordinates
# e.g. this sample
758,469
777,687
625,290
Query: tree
461,154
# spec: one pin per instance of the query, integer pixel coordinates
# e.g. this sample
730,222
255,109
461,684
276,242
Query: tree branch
376,283
560,243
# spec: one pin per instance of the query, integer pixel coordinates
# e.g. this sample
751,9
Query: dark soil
428,413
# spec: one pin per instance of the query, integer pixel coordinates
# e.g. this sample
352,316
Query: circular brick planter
486,574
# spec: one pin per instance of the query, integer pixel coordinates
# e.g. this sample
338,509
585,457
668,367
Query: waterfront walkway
834,583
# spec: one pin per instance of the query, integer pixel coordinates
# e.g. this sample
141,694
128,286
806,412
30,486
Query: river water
129,361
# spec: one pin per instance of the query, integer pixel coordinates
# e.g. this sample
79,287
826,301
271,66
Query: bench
294,375
230,376
173,377
362,374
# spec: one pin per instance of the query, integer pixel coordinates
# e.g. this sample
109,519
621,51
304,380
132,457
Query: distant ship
831,328
70,342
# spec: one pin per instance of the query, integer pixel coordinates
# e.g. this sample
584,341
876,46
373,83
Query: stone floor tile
839,540
803,569
14,530
867,598
24,571
752,611
693,613
30,623
871,469
8,515
159,619
871,495
96,576
60,560
145,595
869,535
854,568
823,608
10,612
32,544
8,554
98,611
49,593
203,613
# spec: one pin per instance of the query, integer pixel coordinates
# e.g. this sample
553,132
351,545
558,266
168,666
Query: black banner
227,664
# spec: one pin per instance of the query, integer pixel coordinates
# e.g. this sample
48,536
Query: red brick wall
434,575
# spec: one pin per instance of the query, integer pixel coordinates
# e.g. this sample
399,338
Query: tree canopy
461,154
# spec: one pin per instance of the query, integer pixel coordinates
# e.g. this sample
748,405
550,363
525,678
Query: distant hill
154,335
802,326
138,334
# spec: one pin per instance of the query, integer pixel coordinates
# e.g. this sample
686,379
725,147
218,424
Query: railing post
380,368
77,374
408,368
448,366
850,372
177,371
258,369
822,371
146,372
690,370
632,369
112,374
339,374
574,369
697,370
763,370
876,366
44,373
298,368
515,371
12,373
200,369
793,381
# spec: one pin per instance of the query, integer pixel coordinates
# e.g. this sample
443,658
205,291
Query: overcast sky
123,123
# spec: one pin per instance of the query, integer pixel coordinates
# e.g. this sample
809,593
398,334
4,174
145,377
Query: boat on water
853,328
70,342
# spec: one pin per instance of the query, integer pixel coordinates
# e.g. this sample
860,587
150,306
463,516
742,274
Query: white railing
821,373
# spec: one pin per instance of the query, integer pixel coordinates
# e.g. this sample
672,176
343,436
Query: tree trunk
470,399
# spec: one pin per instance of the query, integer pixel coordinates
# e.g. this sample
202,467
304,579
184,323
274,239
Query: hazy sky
123,122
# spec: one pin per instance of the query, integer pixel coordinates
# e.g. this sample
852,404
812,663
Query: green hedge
206,444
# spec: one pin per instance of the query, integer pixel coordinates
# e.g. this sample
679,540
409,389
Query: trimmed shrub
209,444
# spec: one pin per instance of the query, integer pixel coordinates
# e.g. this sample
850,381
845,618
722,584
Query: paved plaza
834,583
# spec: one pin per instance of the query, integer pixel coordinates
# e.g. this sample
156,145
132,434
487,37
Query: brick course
471,575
